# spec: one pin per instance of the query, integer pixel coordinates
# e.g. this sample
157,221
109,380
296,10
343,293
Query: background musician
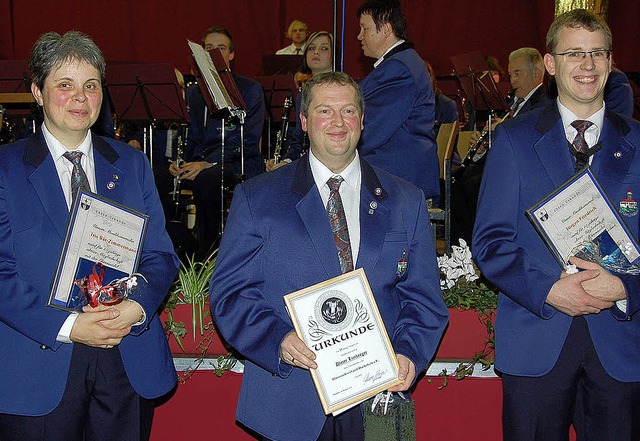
202,169
526,74
398,135
317,58
297,33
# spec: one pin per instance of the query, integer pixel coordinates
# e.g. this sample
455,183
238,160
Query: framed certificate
100,233
578,213
339,321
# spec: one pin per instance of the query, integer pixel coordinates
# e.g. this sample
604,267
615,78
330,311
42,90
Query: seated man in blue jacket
202,170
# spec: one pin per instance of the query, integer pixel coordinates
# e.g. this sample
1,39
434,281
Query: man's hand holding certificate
343,341
578,219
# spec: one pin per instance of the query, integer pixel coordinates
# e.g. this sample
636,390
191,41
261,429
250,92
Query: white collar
321,174
381,59
58,149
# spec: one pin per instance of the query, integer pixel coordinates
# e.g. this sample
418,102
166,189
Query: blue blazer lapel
554,155
45,182
314,217
110,180
374,218
615,155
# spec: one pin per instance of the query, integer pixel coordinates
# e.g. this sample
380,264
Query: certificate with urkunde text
100,233
339,321
578,213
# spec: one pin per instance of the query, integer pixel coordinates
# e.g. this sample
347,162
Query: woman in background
317,58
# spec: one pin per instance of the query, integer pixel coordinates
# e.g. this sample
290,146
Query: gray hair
336,78
531,55
52,50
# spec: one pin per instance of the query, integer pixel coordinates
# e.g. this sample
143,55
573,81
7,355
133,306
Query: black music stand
147,93
281,64
276,89
223,98
478,84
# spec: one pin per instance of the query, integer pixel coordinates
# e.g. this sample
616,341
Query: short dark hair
338,78
385,11
52,50
219,30
575,19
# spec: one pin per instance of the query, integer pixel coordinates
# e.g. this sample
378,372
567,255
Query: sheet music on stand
221,98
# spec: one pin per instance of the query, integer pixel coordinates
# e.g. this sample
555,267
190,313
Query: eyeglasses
578,56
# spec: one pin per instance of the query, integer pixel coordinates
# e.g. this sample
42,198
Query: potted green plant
464,290
190,291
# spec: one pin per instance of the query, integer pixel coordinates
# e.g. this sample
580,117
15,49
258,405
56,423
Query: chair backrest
446,141
464,137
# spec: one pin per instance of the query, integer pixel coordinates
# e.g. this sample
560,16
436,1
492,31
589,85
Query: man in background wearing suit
399,99
279,240
526,72
202,170
93,374
566,344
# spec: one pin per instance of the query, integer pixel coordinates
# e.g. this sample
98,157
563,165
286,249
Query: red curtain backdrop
156,30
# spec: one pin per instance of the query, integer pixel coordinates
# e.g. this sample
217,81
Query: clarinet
483,136
282,133
176,183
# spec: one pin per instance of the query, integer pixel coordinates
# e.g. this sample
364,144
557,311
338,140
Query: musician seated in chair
201,170
526,73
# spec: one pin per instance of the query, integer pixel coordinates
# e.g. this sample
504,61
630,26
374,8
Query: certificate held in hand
100,253
339,321
578,218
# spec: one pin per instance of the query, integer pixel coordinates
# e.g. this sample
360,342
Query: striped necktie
78,176
580,147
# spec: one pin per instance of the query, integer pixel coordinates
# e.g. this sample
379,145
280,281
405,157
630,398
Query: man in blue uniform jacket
93,374
398,94
203,169
566,344
279,240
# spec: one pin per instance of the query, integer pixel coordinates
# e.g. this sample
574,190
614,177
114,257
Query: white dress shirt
349,193
591,136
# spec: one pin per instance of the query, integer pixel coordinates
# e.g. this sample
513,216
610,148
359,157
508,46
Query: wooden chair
464,138
446,141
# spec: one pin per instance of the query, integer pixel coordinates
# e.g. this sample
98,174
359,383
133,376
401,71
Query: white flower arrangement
458,264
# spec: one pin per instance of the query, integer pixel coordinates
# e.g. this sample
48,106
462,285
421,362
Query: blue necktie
338,221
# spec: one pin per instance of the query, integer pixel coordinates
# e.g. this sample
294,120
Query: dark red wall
156,30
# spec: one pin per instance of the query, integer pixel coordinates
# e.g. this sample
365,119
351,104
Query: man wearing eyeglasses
567,345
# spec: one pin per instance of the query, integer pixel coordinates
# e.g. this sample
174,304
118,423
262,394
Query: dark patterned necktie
516,104
580,146
338,221
78,176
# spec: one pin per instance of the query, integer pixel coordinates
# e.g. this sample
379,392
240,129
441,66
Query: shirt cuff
622,305
65,331
143,317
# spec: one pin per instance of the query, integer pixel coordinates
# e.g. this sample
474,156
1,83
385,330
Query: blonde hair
296,23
